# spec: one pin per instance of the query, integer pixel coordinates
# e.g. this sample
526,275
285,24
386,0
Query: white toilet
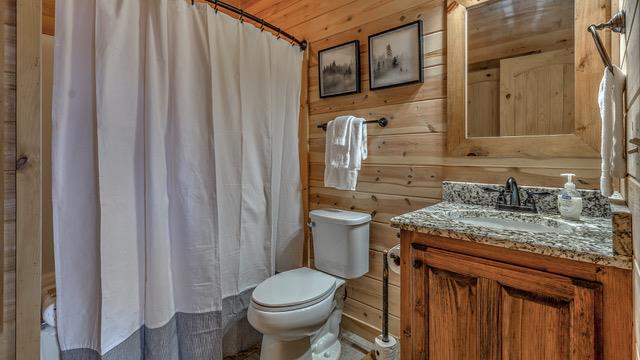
299,311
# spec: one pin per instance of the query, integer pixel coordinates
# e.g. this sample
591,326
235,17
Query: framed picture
339,69
395,56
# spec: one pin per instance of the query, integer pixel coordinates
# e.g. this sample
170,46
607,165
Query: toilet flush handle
311,224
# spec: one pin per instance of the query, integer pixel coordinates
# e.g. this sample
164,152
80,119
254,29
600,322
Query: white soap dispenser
569,200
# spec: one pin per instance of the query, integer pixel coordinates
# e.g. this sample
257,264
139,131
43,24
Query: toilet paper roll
393,257
49,310
386,350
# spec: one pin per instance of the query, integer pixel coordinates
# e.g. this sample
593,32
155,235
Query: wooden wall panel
7,336
8,116
28,179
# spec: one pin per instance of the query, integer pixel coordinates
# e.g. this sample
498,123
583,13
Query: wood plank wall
407,160
8,110
630,61
28,179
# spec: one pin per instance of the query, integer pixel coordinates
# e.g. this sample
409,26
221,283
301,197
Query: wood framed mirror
497,50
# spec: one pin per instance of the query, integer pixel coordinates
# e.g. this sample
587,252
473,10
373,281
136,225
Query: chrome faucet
512,192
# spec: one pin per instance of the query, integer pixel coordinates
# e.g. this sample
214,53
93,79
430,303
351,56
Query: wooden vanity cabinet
463,300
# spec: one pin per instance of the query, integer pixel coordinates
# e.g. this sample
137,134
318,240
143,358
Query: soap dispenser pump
569,200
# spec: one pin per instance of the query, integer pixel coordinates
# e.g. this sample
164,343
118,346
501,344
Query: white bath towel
337,144
613,140
343,162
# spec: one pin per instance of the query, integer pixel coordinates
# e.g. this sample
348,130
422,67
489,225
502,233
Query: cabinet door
471,308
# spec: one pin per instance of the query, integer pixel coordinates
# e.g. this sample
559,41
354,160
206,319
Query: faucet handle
530,201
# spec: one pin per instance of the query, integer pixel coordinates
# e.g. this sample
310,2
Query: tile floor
350,351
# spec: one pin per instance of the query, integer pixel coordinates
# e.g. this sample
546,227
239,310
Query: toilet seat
293,289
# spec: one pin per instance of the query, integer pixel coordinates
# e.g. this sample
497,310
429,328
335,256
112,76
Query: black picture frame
355,44
418,47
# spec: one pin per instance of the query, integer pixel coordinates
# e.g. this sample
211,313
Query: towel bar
616,24
382,122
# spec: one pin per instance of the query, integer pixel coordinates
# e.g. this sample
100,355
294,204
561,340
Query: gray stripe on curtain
186,336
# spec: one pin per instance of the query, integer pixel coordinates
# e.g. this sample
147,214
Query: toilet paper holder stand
385,291
395,258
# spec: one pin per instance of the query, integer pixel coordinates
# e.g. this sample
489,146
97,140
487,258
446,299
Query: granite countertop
590,240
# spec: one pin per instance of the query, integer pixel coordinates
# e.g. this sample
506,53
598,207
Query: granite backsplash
593,203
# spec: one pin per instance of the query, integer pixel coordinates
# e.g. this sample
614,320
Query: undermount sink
500,220
506,224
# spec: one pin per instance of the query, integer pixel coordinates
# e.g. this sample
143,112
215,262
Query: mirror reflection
520,68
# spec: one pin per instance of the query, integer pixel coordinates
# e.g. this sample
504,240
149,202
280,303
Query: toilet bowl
296,312
299,311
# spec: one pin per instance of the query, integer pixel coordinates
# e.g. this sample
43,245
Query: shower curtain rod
257,20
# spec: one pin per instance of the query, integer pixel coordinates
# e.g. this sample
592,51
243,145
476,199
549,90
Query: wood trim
577,269
3,144
406,306
303,153
48,17
28,180
508,275
617,314
456,80
585,142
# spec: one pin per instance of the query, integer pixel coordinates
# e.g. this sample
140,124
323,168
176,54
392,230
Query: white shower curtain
176,183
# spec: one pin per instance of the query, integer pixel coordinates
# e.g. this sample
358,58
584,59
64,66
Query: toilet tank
340,242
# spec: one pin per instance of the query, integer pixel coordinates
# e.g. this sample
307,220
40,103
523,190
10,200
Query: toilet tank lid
337,216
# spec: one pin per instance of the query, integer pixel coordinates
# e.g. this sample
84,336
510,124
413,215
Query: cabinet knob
417,264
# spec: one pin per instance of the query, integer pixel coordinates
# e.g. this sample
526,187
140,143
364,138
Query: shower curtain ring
241,16
215,6
279,31
262,25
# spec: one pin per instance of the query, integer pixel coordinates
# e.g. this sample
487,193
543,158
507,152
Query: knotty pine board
407,118
8,111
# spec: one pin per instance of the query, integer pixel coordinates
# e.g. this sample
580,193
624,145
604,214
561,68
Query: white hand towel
341,129
337,143
612,141
343,162
358,148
